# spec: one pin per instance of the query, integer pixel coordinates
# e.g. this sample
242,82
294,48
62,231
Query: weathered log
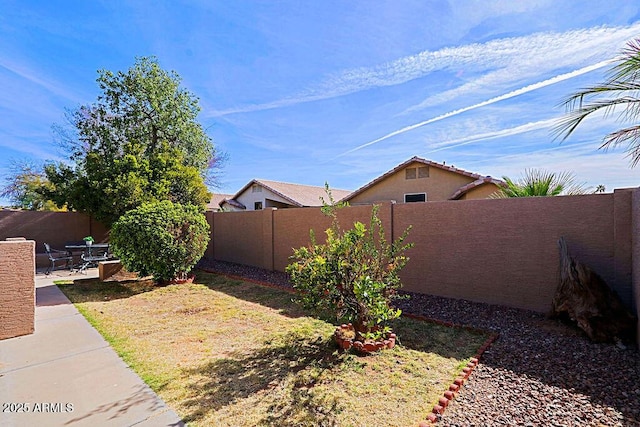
584,297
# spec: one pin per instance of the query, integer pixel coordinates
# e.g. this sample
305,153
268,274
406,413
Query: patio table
87,257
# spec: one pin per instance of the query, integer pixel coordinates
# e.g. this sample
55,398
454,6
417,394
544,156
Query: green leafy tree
540,183
138,143
162,239
24,187
618,95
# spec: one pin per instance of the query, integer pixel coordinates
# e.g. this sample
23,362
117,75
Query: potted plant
88,240
353,277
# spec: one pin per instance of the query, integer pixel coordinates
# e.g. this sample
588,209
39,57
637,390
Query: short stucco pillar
17,287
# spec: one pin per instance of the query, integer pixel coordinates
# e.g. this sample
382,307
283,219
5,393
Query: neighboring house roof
233,203
477,183
475,176
216,201
296,194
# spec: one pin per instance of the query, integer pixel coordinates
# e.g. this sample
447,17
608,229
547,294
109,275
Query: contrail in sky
528,127
508,95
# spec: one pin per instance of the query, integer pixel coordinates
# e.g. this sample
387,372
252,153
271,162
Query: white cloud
513,60
590,165
27,74
516,130
509,60
502,97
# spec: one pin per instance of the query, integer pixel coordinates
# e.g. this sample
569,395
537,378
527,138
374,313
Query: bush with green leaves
353,275
162,239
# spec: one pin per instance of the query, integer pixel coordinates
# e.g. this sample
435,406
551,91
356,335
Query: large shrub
354,275
162,239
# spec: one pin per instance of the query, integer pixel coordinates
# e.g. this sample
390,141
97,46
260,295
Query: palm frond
629,135
540,183
619,94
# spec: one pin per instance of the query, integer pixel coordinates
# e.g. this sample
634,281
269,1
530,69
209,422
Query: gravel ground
540,372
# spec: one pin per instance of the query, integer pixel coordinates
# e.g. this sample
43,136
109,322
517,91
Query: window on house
417,197
257,206
256,188
423,172
410,173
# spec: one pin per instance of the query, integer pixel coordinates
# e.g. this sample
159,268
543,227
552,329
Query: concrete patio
66,374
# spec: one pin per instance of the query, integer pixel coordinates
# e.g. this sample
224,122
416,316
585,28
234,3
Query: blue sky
337,91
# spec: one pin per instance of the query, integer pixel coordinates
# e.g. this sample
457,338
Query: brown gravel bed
540,372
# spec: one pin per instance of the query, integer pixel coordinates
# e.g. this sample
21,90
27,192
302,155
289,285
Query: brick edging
454,388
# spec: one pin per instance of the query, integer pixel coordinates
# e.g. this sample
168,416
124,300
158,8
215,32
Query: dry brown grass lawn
229,353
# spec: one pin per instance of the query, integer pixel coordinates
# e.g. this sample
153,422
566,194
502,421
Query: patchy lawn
229,353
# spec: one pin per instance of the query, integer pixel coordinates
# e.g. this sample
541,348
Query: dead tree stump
585,298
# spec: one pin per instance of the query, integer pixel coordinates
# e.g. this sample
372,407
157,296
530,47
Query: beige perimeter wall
500,251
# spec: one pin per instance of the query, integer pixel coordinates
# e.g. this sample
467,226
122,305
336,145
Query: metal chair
56,255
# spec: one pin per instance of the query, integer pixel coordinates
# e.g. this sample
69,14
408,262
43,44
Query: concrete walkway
65,374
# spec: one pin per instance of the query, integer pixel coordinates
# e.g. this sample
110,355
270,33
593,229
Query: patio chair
56,255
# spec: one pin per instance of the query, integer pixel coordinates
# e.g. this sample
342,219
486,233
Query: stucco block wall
292,227
17,288
498,251
239,237
55,228
505,251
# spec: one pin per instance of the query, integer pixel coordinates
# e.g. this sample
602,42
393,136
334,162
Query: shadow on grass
265,371
93,290
285,374
414,334
275,298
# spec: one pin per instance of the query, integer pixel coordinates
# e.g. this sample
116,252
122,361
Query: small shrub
353,276
162,239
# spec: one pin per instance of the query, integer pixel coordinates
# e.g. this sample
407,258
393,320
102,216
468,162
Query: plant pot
189,279
345,337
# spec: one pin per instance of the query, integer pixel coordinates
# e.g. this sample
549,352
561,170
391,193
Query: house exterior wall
248,198
440,185
481,192
17,288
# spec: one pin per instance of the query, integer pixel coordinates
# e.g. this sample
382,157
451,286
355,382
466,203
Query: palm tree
617,95
540,183
600,189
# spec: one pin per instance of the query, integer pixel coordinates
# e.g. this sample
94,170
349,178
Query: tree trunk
585,298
